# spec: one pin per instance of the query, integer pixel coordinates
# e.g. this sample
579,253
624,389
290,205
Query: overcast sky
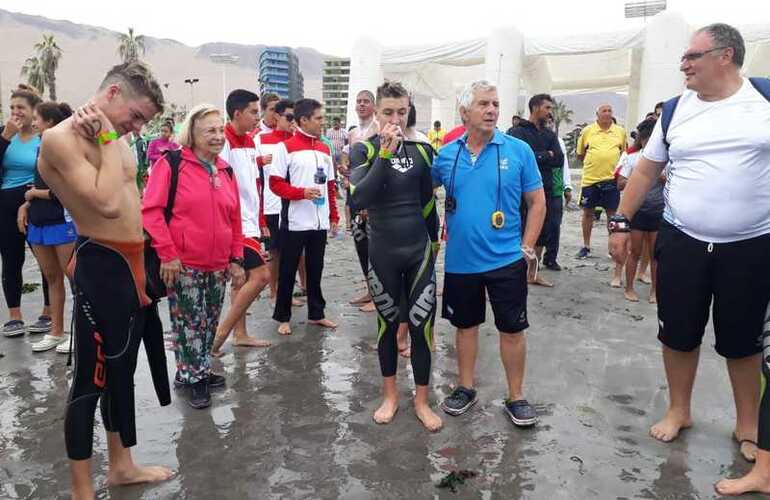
332,26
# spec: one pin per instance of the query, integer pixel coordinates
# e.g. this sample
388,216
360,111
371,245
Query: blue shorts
603,194
51,236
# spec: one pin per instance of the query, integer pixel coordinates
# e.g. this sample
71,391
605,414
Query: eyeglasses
693,56
289,117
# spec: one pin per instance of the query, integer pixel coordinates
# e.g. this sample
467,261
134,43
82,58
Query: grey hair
469,92
725,35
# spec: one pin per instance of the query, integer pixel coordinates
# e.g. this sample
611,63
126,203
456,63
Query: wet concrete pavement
295,420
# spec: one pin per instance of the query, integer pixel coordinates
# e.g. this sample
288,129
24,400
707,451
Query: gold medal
498,219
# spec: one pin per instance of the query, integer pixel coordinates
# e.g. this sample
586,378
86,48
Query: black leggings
764,405
107,334
392,275
12,247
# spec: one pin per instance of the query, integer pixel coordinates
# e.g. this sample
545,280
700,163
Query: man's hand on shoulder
89,121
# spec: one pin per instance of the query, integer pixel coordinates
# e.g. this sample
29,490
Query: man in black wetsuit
391,179
93,174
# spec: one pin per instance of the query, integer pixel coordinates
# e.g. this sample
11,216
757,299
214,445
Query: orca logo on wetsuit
100,372
403,165
423,306
385,303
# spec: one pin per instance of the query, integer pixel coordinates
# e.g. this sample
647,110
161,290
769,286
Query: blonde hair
197,113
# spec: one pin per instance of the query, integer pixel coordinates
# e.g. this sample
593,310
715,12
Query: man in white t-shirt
714,243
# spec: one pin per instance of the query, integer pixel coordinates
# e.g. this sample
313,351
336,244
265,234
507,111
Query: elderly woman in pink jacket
200,247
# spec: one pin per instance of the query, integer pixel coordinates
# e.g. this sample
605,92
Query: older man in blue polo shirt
486,174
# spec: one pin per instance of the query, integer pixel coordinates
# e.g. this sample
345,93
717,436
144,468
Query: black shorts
647,221
465,303
603,194
272,224
692,273
252,254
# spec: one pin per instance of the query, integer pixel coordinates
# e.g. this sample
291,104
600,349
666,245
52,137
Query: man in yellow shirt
436,135
599,147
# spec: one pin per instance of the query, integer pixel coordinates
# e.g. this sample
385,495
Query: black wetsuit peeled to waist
397,194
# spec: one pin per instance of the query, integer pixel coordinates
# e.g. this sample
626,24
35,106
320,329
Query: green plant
131,45
561,114
33,71
48,54
570,142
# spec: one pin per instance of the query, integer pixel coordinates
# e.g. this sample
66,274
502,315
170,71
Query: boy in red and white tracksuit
241,154
309,210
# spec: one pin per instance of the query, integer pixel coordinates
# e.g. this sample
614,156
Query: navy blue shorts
603,194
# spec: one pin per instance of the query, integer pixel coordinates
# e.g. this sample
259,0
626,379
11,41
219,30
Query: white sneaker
64,347
48,343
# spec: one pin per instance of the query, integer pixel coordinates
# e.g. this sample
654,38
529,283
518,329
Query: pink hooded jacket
205,227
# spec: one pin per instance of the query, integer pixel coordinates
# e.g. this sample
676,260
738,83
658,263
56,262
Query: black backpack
155,287
761,84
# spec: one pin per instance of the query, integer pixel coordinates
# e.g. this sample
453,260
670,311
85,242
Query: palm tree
561,114
33,70
130,46
48,55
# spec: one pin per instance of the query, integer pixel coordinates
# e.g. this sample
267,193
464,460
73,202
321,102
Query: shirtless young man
94,175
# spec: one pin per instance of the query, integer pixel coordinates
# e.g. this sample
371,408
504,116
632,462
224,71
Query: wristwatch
619,223
237,260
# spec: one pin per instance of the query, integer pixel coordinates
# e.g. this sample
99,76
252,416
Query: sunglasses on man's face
289,117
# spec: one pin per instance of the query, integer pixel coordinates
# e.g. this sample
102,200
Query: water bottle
320,179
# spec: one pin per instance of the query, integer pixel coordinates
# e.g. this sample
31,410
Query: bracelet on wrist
106,137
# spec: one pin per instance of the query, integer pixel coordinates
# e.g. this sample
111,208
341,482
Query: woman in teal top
19,144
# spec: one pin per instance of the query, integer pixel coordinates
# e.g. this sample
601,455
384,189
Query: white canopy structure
643,62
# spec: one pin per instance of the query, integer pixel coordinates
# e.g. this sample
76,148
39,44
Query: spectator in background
200,248
339,138
411,131
436,136
50,232
544,143
599,148
515,121
269,120
646,222
162,144
658,109
19,145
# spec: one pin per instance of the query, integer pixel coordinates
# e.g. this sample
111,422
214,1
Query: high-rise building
279,73
336,76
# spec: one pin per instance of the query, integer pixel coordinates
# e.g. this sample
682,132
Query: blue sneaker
583,253
521,413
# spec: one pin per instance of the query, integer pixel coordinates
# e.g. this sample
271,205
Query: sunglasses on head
288,116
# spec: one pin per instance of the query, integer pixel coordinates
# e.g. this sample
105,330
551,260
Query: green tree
131,45
570,142
561,114
33,71
48,55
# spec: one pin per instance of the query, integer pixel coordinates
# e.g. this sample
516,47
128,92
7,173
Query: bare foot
540,281
368,307
138,474
386,411
644,278
296,302
326,323
216,346
284,329
631,296
405,352
754,481
747,444
363,299
246,341
429,419
653,298
669,427
616,282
